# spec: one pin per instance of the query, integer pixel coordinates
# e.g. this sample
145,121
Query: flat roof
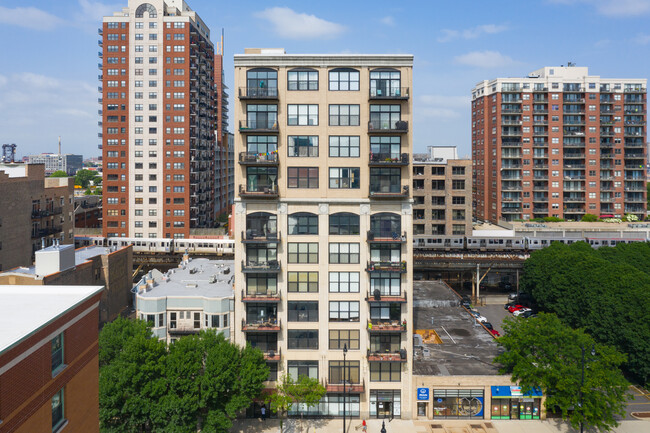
81,256
467,349
26,309
196,278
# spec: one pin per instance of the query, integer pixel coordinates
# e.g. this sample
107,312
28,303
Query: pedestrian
263,412
364,427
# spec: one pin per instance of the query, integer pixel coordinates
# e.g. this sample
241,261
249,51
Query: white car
478,316
521,311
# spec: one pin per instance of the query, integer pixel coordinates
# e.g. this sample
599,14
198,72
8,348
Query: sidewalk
432,426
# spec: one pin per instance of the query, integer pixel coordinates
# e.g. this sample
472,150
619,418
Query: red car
495,332
515,307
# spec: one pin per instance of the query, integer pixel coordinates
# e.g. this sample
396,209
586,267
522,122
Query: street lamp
345,351
582,382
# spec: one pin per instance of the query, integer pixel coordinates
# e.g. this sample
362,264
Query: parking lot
495,313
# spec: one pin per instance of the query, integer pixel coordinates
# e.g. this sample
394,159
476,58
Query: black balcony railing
379,296
387,356
388,159
270,191
392,93
390,193
271,324
258,125
269,266
269,158
399,267
385,236
252,236
382,126
269,296
258,93
37,233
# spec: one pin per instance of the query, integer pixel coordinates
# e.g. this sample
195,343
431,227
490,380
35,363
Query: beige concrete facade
29,196
305,167
442,198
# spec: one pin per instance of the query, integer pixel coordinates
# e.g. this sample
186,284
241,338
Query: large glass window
458,403
259,116
344,223
302,79
57,353
382,148
262,312
344,282
385,311
385,180
256,144
387,283
386,225
303,252
302,339
263,255
261,224
302,368
259,179
302,311
302,282
343,146
344,178
261,82
385,253
339,338
385,343
302,145
265,341
303,223
343,79
261,284
302,177
337,374
344,115
385,371
385,82
58,413
385,116
344,311
343,252
302,115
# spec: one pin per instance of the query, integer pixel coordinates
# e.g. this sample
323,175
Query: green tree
289,392
589,218
543,352
59,173
83,177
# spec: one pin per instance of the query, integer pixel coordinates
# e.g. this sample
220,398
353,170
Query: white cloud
485,59
293,25
31,18
612,8
473,33
388,20
3,80
95,11
442,106
642,39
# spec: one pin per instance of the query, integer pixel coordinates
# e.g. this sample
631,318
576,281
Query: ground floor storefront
508,402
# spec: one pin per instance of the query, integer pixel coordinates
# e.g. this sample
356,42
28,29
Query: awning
514,391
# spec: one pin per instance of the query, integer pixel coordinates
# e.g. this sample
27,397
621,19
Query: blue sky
48,53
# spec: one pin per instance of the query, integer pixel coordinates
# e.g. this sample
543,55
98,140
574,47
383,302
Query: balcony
635,90
388,127
266,192
260,297
173,329
270,93
397,93
378,296
388,237
42,213
272,355
376,325
270,266
254,237
38,233
387,356
388,159
376,192
386,267
351,388
246,158
253,125
268,325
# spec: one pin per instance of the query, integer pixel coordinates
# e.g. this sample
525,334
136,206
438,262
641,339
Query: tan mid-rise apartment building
163,163
323,221
442,193
559,142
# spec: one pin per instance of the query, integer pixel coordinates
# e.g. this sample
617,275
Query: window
386,225
302,368
344,146
382,148
339,338
344,282
302,115
457,184
261,178
302,177
388,283
261,284
385,83
302,312
261,224
385,343
302,282
261,82
261,116
337,375
458,200
305,79
385,371
385,311
303,224
344,224
57,353
303,252
344,79
385,253
302,339
344,115
303,145
385,117
385,180
458,171
58,412
343,253
256,144
344,178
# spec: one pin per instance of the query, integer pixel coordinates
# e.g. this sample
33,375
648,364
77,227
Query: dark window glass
303,223
302,311
302,339
344,224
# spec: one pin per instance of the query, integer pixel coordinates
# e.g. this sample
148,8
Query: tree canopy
83,178
605,291
200,382
59,173
544,352
305,391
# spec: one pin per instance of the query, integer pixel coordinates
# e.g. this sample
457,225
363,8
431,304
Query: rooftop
466,348
81,255
195,278
44,304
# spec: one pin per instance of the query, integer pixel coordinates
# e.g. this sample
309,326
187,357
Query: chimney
150,280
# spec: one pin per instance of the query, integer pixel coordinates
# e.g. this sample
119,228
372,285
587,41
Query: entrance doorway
385,404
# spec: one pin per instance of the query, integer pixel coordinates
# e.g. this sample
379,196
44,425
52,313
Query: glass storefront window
458,403
385,404
516,408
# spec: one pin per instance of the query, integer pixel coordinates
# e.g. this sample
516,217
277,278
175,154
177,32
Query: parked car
527,314
466,302
488,325
495,332
515,307
512,297
521,311
478,316
509,304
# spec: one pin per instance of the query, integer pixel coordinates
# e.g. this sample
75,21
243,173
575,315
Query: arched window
385,83
261,224
139,12
302,79
303,223
344,223
261,82
342,79
386,225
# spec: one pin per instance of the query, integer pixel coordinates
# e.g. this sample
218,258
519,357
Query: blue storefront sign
423,393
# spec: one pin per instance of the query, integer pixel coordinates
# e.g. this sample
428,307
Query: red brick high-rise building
159,118
559,142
